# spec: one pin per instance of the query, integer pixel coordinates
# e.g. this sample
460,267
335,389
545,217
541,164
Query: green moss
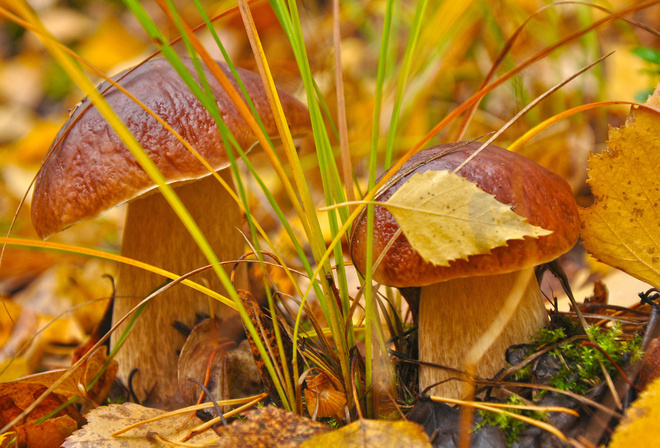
580,367
510,426
581,364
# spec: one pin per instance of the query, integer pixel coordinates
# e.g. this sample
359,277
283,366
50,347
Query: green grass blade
404,71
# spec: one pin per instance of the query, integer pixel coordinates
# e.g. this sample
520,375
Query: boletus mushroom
457,303
88,170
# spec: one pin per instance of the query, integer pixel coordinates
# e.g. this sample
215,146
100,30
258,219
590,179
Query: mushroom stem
454,314
154,234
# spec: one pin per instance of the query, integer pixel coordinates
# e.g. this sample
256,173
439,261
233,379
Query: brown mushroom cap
532,191
89,169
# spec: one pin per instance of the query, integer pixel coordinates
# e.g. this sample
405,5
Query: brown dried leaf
49,434
76,383
17,396
231,370
283,430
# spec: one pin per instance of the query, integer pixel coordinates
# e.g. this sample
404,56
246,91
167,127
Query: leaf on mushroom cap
446,217
533,192
89,169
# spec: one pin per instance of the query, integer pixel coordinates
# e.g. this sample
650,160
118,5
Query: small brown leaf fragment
591,304
49,434
270,427
650,369
264,326
373,433
600,296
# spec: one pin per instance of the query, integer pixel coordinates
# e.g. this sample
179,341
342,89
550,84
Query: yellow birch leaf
622,227
446,217
640,427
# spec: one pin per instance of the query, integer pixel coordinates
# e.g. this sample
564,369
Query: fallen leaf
77,381
29,432
72,291
622,227
231,370
373,433
270,427
17,327
106,420
640,427
591,305
445,217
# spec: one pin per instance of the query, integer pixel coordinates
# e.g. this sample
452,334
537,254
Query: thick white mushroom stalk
467,324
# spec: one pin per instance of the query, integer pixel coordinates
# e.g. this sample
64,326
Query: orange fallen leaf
76,383
29,431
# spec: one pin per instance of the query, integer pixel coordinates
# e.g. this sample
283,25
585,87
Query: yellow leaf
622,227
111,44
10,369
372,433
445,217
640,427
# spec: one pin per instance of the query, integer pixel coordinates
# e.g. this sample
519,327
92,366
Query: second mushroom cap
533,192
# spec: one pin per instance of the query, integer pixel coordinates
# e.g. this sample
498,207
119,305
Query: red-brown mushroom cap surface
89,169
539,195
